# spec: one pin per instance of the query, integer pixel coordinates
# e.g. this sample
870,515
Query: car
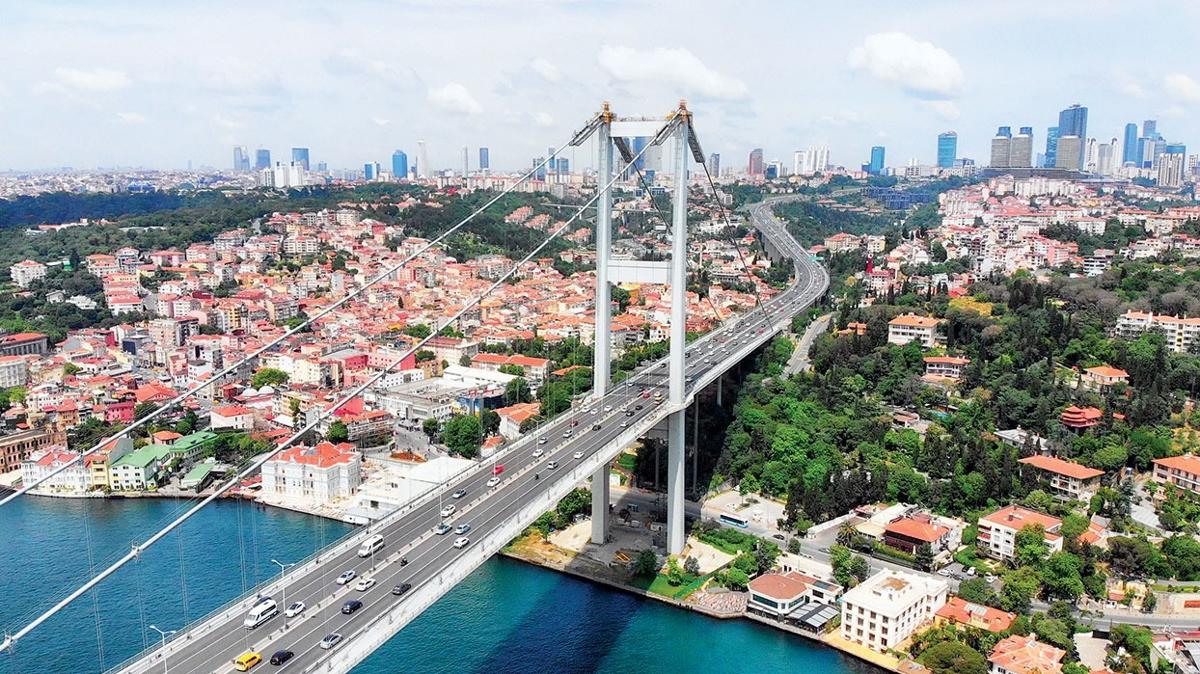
628,413
448,510
689,379
462,542
574,422
365,584
331,640
593,411
294,610
462,529
944,572
346,577
645,394
351,606
638,407
567,434
497,469
595,427
441,529
707,361
459,493
281,657
971,571
541,441
538,452
401,589
493,481
245,661
577,456
608,408
624,424
990,578
552,465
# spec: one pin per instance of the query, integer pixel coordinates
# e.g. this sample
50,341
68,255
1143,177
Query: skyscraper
241,162
876,165
564,166
422,161
1070,150
755,166
1073,122
1170,168
262,158
484,163
1129,151
300,154
1052,134
466,167
399,165
947,149
371,170
1001,146
714,164
1020,152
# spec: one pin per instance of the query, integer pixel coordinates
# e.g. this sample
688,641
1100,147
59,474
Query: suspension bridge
417,562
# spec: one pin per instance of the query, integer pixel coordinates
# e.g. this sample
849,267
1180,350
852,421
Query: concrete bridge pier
600,499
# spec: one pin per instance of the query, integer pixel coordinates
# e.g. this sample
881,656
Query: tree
517,391
1020,587
188,424
514,370
692,566
848,568
463,435
294,408
924,557
70,369
674,571
1061,576
418,330
1149,602
978,591
645,564
337,432
490,421
464,360
431,428
1030,545
269,376
143,410
953,657
425,355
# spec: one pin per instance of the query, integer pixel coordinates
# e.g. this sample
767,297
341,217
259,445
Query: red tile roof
1056,465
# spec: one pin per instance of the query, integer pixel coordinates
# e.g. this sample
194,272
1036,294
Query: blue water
506,617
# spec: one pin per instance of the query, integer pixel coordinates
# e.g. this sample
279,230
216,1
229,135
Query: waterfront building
317,474
885,609
141,469
72,478
959,611
998,530
16,447
1180,471
1066,480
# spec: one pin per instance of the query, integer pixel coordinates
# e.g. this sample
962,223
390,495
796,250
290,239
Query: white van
260,613
371,546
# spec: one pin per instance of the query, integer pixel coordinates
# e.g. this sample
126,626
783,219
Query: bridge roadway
528,487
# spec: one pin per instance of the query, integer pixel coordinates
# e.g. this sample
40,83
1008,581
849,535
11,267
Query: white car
461,542
365,584
448,510
462,529
608,408
459,493
538,452
577,455
330,641
441,529
346,577
593,411
294,610
493,482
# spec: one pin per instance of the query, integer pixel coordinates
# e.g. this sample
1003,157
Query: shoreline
510,552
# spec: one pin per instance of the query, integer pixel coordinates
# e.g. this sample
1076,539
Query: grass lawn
660,585
627,461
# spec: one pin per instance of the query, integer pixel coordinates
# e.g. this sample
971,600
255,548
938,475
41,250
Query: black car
401,589
351,606
637,407
596,427
628,413
281,657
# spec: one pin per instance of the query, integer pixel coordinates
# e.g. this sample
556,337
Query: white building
26,272
13,371
1180,333
909,327
998,531
888,607
238,417
76,479
317,474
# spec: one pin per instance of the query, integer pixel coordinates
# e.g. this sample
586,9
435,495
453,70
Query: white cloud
379,121
947,110
672,67
94,80
227,122
543,119
131,117
546,69
920,68
455,98
1127,85
1182,87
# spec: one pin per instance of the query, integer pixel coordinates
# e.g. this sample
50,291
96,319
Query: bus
729,519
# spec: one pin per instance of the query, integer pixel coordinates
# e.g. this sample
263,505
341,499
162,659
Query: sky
88,84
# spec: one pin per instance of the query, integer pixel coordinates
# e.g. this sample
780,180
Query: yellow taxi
245,661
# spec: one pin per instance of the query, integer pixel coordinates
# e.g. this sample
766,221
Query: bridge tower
614,132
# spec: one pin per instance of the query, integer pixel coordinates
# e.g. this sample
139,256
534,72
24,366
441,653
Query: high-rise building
300,154
876,166
1073,122
262,158
755,166
466,168
563,166
399,165
1070,150
947,149
714,164
1129,151
801,164
241,161
484,160
371,170
1051,156
1170,169
423,161
538,164
1105,154
820,159
284,175
1150,129
1020,152
1001,146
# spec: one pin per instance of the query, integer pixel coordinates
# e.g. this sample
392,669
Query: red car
646,394
497,469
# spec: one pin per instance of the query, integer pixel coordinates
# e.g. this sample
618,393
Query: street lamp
164,636
283,587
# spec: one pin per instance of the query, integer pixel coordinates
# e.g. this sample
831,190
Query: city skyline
895,80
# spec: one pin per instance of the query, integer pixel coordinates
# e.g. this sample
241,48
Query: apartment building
1066,480
75,478
14,371
316,474
945,367
998,531
911,327
1180,333
24,273
16,447
1103,377
885,609
1181,471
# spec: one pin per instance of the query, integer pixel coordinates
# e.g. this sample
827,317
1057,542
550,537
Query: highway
572,438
